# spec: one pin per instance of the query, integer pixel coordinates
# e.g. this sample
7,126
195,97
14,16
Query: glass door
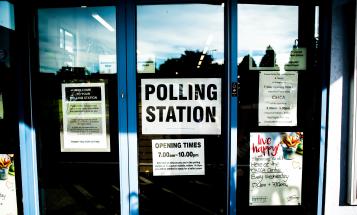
76,111
182,162
278,109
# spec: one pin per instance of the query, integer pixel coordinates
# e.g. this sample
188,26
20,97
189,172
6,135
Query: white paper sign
181,106
297,60
278,98
1,107
178,157
275,168
107,64
146,63
84,118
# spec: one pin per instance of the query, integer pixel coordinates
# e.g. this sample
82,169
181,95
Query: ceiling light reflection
103,22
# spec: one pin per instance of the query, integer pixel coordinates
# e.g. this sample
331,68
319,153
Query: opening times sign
181,106
178,157
84,118
275,168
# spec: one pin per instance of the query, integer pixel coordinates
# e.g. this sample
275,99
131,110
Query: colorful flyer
8,200
181,106
275,168
178,157
278,98
84,118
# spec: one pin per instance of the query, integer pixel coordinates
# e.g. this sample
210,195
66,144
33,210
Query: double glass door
159,137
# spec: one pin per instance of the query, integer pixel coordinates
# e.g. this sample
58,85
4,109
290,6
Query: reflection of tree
248,105
188,65
244,64
268,59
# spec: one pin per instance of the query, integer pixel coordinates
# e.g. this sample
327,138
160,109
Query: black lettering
161,112
149,110
212,92
180,109
171,90
171,114
149,89
210,114
198,114
199,92
188,114
161,92
190,92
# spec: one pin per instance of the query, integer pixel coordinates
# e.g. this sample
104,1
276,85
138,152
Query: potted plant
5,162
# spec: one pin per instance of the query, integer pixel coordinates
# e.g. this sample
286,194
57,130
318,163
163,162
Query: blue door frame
127,106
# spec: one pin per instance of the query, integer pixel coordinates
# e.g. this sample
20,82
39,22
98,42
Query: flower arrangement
290,141
292,144
5,162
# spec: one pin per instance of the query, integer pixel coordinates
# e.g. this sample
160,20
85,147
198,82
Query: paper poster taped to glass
275,168
178,157
278,91
181,106
84,119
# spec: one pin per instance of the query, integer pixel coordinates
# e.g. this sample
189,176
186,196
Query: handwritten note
275,168
8,202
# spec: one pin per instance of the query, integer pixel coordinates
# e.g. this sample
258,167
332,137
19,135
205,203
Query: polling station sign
181,106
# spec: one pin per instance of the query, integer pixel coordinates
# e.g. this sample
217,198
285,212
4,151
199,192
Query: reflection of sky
263,25
91,38
166,31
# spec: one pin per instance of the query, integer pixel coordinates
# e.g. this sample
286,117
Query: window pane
270,133
76,115
77,37
182,163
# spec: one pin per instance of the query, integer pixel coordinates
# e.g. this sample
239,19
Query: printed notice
84,118
107,64
278,98
275,168
8,200
1,107
297,60
178,157
181,106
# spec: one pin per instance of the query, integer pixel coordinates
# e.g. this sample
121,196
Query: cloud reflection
263,25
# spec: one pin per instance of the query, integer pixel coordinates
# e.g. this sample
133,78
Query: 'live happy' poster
275,168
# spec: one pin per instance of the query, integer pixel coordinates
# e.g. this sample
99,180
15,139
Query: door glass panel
276,104
10,180
75,102
182,163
